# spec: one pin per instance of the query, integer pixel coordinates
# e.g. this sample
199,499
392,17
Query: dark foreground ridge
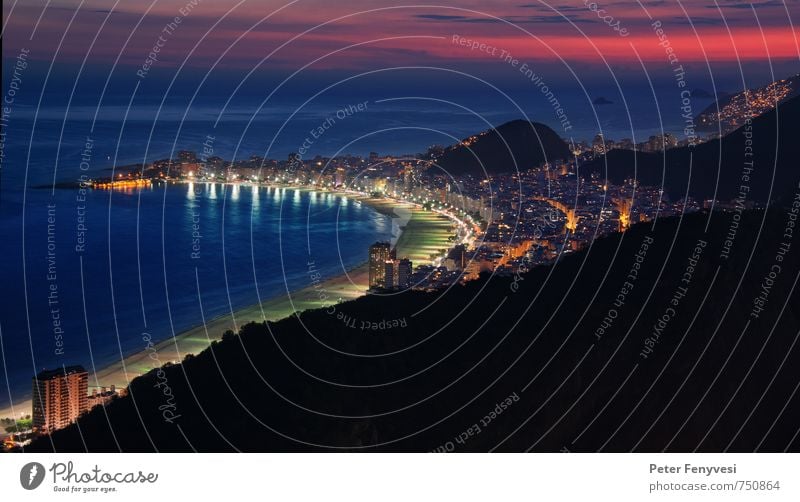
618,347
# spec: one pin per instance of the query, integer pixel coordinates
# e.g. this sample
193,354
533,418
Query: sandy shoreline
424,233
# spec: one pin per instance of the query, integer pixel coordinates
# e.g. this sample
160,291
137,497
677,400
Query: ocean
84,275
84,279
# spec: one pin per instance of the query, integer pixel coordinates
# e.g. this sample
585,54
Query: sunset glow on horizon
370,34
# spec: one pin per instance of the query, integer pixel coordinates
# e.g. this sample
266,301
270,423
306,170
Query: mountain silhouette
518,145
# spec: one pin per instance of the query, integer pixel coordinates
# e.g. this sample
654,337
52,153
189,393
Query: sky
249,46
578,31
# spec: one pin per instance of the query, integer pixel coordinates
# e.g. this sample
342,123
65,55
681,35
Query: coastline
425,233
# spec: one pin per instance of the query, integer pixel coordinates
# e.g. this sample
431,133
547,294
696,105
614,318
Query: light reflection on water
148,236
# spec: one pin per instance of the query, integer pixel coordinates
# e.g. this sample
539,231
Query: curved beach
424,233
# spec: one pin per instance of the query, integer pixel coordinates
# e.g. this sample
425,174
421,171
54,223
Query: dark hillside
458,354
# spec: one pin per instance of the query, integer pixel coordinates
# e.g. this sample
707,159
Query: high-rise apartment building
404,271
59,397
379,254
390,279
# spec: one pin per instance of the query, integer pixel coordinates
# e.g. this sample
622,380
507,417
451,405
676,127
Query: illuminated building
624,208
599,145
187,157
59,397
341,176
390,274
408,176
379,254
101,398
123,184
404,271
572,218
456,258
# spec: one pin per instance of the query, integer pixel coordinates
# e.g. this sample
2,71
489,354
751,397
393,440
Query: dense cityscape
310,226
727,115
503,224
503,221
